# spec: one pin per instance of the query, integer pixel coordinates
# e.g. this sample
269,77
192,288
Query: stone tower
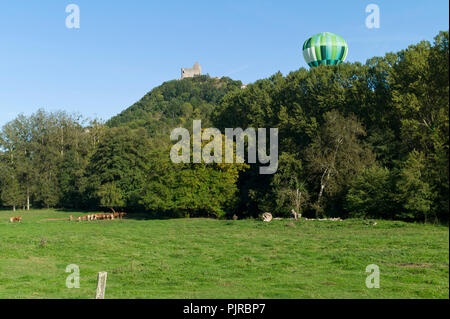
190,73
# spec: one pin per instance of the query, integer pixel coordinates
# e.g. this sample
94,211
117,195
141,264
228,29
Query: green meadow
208,258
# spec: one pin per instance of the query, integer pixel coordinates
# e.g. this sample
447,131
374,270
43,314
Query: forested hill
174,102
355,140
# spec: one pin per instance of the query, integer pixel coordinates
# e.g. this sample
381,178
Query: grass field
206,258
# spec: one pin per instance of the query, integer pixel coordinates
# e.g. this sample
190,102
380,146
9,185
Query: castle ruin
190,73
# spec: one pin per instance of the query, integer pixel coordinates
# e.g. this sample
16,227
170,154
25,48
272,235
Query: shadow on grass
130,215
163,215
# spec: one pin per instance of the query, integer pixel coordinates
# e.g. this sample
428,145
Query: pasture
207,258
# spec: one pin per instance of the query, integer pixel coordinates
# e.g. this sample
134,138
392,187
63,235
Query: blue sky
125,48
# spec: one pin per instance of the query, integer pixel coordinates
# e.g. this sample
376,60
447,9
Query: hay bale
267,217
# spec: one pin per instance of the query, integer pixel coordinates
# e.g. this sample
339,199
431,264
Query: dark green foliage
110,196
174,103
366,140
335,155
116,170
371,194
189,189
415,193
289,186
400,101
46,155
10,192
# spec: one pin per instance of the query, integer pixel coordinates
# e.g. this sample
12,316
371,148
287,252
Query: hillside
355,140
174,102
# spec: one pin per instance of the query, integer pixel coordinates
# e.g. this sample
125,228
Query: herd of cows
80,218
98,216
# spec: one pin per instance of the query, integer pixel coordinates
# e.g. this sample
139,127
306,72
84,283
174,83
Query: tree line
363,140
356,140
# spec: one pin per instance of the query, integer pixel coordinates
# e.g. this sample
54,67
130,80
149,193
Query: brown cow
15,219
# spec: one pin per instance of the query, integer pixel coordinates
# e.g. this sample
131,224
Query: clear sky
125,48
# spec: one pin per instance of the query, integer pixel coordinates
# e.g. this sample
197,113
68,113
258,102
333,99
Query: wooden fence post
101,285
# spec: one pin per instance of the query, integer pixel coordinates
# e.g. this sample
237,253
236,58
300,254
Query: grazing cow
116,215
15,219
79,218
295,214
122,214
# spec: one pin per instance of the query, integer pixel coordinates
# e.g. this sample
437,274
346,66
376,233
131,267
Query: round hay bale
267,217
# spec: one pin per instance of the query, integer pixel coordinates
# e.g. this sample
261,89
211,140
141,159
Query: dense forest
355,140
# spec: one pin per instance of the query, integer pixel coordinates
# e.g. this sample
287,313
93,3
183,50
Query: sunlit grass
206,258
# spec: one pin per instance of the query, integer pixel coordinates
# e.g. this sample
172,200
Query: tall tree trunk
62,142
322,187
326,174
28,198
14,208
323,183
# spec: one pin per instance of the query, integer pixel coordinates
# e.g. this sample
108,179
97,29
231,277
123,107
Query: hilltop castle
190,73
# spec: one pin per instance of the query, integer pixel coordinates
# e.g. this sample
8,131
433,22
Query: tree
370,194
110,196
120,161
10,192
420,96
16,139
47,153
336,154
289,185
388,109
190,189
175,102
414,193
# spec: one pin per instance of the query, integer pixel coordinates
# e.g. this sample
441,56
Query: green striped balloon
325,49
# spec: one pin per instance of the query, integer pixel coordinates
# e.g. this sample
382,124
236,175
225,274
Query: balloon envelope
325,49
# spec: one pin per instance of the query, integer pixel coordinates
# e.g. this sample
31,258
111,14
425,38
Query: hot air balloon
325,49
